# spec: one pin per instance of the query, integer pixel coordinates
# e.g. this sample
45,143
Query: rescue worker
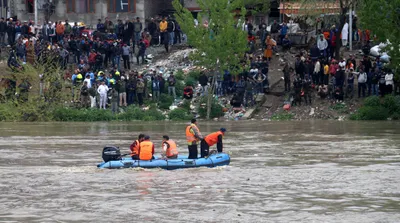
169,147
135,147
146,149
210,140
77,86
193,136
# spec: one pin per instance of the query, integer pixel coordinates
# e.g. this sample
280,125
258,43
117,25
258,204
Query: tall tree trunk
210,95
343,12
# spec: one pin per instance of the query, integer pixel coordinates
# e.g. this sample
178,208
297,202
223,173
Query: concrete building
89,11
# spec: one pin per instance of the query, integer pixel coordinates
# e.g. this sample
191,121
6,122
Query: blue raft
218,159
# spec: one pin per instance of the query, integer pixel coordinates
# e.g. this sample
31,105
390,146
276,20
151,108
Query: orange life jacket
172,149
190,137
212,138
135,148
146,150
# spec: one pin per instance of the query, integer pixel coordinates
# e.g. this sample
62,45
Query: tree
219,45
344,5
382,17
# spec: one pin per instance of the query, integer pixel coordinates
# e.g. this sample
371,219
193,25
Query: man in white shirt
87,80
316,77
322,45
361,81
345,34
102,90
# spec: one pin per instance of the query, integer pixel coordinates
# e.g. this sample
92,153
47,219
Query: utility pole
35,6
283,10
351,28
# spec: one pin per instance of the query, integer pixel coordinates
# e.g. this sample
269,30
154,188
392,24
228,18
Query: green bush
179,86
371,113
391,103
283,116
372,101
186,105
190,81
216,109
82,115
340,108
153,115
179,114
165,101
194,74
179,75
131,113
396,116
9,112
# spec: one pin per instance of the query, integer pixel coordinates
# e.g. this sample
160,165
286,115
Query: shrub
371,113
179,86
372,101
82,115
216,109
8,112
179,75
190,81
165,101
179,114
194,74
153,115
340,108
186,105
131,113
391,103
283,116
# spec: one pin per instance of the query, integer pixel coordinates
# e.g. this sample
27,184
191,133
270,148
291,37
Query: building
89,11
255,17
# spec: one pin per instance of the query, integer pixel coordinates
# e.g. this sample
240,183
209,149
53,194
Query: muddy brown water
314,171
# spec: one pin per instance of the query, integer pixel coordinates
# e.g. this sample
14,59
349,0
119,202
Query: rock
312,111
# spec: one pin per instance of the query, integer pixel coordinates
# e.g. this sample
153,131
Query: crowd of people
338,80
96,77
104,54
101,48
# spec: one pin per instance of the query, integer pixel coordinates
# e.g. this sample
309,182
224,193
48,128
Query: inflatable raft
113,160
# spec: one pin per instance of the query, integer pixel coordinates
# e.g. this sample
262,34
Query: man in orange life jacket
135,147
169,147
193,136
146,149
210,140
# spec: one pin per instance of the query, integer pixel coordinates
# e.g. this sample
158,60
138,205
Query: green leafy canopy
382,17
223,43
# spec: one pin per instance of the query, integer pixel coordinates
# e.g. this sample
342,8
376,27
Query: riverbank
269,107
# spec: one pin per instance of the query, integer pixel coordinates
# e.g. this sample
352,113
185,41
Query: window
29,6
81,6
121,6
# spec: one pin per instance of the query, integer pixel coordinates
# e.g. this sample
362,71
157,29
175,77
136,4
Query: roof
315,8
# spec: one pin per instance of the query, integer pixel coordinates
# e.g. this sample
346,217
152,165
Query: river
314,171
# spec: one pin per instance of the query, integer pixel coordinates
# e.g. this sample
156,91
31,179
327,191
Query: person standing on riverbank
193,136
85,95
102,90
